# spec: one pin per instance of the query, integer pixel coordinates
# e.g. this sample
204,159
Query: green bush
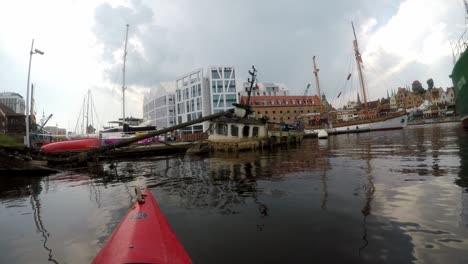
7,141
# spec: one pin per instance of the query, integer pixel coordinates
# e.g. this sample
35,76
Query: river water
382,197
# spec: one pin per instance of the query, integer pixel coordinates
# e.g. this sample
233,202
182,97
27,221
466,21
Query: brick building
283,108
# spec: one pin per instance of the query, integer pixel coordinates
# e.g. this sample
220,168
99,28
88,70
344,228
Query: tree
430,84
417,88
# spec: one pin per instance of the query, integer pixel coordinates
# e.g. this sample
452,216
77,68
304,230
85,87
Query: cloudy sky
401,41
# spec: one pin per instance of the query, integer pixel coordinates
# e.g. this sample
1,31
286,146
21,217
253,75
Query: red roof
281,100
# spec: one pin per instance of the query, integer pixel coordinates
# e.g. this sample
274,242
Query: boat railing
460,46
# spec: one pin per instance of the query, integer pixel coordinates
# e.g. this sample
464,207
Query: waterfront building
265,89
223,88
11,122
13,101
159,106
55,130
407,100
283,108
450,96
199,95
393,103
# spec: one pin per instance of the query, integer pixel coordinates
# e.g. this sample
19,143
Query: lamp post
33,51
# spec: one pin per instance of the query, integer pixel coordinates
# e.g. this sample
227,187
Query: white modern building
265,89
13,101
223,88
199,95
192,100
159,106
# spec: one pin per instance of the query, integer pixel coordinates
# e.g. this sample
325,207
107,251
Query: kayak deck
143,236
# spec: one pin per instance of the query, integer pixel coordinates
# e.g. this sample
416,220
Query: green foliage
7,141
417,88
430,84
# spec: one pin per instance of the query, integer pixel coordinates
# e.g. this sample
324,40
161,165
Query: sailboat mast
359,66
123,78
317,82
87,113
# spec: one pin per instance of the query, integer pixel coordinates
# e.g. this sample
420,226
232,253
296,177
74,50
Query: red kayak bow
143,236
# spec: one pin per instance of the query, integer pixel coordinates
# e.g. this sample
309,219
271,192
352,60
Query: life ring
317,118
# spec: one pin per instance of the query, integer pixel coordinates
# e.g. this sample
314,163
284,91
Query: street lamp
33,51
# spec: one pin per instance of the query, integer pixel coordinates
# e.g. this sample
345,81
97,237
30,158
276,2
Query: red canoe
143,236
71,145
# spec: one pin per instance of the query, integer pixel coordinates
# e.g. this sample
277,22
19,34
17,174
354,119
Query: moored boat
460,78
71,145
242,131
237,134
143,236
363,120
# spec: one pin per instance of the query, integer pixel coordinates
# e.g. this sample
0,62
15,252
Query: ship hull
460,84
391,123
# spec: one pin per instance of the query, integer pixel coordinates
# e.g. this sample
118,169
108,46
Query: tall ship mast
359,66
317,82
123,77
353,120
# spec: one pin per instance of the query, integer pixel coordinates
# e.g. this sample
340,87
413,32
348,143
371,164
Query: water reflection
368,198
35,190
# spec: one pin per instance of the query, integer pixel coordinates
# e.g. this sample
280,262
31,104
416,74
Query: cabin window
245,131
255,132
234,131
221,129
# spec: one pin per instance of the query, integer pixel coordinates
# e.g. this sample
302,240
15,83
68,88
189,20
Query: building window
215,74
279,102
245,131
266,112
264,102
213,87
274,112
220,86
255,132
257,103
281,112
234,131
221,129
227,74
231,99
272,102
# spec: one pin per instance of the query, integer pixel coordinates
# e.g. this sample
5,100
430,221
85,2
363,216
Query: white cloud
83,47
415,40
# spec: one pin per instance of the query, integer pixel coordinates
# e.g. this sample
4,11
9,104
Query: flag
349,76
339,94
466,6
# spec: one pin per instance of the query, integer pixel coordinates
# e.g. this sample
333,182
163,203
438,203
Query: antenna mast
317,82
359,66
123,78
